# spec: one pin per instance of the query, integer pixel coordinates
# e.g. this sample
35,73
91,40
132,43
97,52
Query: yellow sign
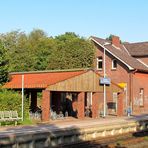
123,85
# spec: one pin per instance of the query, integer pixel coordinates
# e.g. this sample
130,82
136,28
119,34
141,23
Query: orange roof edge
41,79
50,71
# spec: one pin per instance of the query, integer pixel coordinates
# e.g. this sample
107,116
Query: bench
55,116
7,116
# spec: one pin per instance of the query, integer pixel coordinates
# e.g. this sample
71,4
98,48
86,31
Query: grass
146,138
26,122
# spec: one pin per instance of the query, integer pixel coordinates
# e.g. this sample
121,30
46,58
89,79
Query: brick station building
71,91
126,65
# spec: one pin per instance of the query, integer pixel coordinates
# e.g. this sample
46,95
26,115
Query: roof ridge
50,71
100,38
137,42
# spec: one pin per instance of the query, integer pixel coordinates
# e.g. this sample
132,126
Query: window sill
99,69
113,69
141,106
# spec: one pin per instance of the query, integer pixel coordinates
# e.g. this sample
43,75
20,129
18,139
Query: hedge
12,100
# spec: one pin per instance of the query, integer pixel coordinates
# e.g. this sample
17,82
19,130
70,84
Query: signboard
122,85
105,81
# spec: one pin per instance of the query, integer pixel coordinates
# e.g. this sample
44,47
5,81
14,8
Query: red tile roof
122,54
137,49
40,79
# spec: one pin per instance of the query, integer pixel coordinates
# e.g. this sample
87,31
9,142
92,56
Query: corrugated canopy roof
39,79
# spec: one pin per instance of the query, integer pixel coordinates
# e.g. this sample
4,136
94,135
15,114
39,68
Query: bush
12,100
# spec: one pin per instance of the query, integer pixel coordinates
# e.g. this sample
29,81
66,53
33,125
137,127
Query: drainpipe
131,91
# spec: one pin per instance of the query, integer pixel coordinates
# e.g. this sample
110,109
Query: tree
71,52
15,42
40,47
37,51
3,64
27,52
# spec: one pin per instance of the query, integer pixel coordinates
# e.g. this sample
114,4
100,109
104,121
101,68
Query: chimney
116,41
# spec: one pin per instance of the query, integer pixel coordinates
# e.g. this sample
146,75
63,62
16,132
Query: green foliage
146,138
11,100
110,37
71,52
37,51
3,64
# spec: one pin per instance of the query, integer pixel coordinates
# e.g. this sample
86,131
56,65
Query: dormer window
99,63
114,64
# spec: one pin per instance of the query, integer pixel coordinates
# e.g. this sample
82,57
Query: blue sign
106,81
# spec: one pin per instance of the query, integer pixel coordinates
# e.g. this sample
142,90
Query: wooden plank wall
87,82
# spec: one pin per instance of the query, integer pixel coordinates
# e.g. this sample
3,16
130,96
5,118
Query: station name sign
106,81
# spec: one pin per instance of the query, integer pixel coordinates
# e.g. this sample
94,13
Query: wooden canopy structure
54,83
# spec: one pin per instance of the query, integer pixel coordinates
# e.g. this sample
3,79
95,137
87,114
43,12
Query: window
114,64
99,63
141,97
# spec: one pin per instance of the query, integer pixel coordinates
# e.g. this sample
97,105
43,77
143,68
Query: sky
125,18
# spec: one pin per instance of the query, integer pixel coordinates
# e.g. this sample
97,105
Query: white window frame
99,59
113,64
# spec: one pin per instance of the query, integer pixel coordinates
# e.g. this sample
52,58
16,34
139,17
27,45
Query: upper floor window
114,64
99,63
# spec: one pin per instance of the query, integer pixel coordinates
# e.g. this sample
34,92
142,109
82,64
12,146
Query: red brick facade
80,105
119,75
45,105
95,105
116,41
120,106
134,81
140,82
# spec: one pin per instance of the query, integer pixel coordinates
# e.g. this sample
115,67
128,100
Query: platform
70,130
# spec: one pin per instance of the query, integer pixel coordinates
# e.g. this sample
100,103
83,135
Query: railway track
131,140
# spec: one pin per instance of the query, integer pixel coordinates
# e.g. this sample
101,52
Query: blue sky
125,18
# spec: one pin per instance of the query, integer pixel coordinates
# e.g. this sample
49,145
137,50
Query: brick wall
140,80
120,75
95,105
116,41
123,75
45,105
120,109
80,105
